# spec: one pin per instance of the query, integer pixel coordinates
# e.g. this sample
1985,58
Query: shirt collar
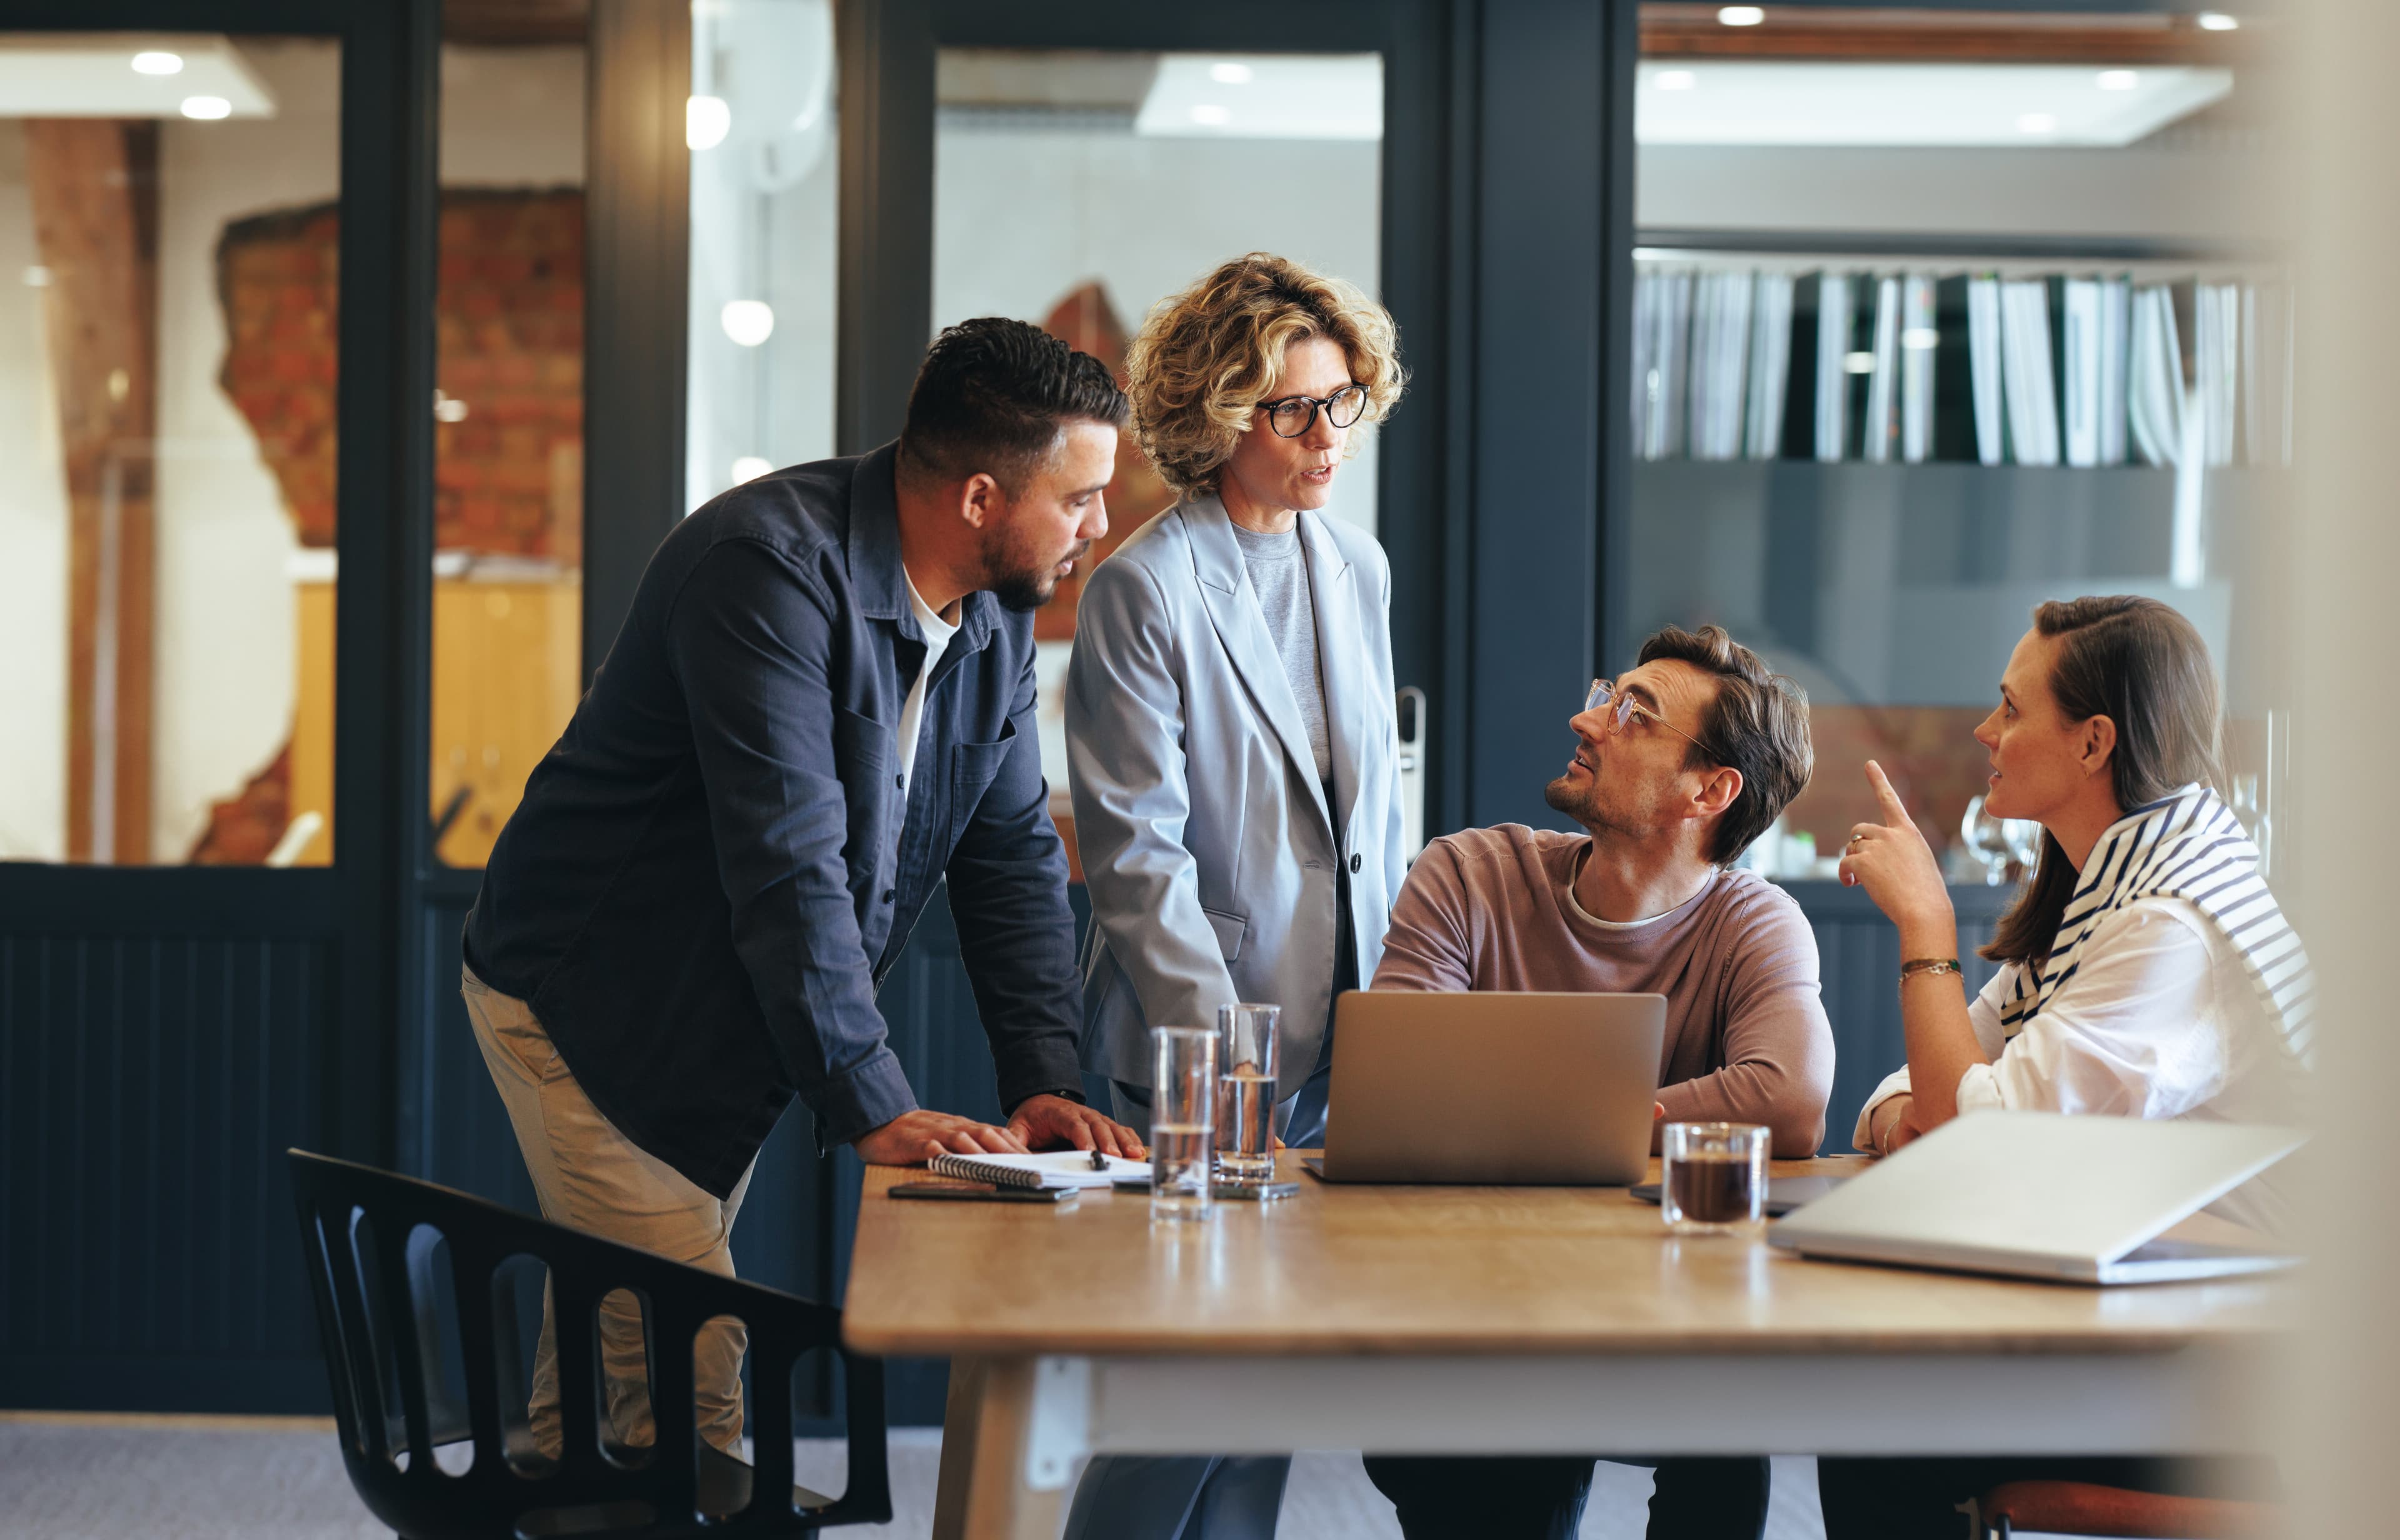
878,582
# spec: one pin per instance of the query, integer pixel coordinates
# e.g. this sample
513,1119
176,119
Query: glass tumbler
1715,1177
1245,1092
1182,1121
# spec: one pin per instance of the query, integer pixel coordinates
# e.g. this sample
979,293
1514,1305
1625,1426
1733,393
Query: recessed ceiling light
2216,21
157,62
749,468
37,277
207,108
1675,80
1859,363
706,121
2037,123
1740,16
747,321
1227,72
1211,113
1919,338
2118,80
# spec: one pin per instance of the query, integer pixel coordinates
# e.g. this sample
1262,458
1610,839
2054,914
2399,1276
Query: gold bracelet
1916,966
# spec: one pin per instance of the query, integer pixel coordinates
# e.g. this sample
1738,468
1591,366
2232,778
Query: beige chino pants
590,1177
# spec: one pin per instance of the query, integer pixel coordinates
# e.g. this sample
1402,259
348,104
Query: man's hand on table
914,1137
1053,1123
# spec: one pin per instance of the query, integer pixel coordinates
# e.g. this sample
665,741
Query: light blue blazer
1207,847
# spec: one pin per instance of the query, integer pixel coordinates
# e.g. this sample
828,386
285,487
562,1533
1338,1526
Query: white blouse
2159,1021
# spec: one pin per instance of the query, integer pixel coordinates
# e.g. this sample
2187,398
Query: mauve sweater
1747,1040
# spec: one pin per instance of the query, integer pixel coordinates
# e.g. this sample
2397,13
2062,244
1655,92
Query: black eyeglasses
1296,414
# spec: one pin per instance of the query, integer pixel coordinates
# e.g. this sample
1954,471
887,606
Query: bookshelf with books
1871,458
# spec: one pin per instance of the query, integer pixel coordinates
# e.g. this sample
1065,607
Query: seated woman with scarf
2146,971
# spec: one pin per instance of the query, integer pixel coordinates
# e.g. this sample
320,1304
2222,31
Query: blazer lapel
1334,595
1233,609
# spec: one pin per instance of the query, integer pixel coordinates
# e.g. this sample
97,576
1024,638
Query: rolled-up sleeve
749,638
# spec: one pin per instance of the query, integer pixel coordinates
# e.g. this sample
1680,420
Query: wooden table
1500,1320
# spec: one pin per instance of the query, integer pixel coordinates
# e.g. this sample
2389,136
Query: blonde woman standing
1231,746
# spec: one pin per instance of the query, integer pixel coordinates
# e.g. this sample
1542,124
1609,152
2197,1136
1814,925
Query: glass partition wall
1078,189
1937,318
169,298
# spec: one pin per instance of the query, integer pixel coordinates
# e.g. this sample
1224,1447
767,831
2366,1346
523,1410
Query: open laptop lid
2033,1191
1493,1087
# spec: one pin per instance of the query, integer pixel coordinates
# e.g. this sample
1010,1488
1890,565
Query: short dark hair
1758,725
992,395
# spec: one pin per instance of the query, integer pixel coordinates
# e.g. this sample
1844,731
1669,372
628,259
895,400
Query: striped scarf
2187,845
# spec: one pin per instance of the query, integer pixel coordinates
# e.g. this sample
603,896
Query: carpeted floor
227,1479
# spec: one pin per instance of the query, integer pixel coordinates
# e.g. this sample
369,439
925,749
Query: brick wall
509,323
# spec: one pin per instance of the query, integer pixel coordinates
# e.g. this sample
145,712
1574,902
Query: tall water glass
1182,1121
1245,1092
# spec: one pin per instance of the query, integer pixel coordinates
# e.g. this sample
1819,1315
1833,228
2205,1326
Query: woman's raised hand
1892,862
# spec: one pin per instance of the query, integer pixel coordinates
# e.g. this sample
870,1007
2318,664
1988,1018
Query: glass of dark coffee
1715,1177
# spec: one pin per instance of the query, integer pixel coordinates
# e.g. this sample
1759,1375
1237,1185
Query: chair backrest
372,1239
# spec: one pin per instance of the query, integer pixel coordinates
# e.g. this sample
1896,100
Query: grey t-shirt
1280,576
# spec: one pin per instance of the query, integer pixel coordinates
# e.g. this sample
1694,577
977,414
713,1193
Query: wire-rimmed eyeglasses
1625,708
1293,415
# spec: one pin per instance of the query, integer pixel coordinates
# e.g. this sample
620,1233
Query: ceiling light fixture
1211,114
1227,72
2118,80
706,121
37,277
1919,338
2217,20
747,321
2037,123
1740,16
157,62
1675,80
1859,363
207,108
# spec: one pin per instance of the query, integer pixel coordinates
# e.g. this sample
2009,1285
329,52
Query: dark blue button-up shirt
712,872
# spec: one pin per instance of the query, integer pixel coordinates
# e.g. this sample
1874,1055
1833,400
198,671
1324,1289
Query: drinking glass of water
1246,1093
1182,1121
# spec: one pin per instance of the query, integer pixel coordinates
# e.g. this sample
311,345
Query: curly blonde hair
1209,356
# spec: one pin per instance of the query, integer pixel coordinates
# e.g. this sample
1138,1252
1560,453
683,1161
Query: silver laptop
1499,1089
2040,1195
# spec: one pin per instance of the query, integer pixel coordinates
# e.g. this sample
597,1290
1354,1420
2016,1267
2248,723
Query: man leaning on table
821,706
1679,765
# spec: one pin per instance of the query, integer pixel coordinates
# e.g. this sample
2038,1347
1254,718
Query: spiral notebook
1051,1168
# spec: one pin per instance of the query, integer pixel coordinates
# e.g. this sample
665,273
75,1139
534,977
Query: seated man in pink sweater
1679,765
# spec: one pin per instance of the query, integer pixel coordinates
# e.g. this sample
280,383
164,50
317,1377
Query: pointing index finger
1894,808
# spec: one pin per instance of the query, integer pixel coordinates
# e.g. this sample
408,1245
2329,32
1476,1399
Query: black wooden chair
397,1346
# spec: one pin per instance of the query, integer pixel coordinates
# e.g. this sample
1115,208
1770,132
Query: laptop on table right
2043,1195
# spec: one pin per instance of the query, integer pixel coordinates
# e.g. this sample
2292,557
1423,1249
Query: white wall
513,117
32,546
2176,185
1021,217
225,665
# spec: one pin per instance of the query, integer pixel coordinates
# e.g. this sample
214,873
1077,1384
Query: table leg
982,1494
